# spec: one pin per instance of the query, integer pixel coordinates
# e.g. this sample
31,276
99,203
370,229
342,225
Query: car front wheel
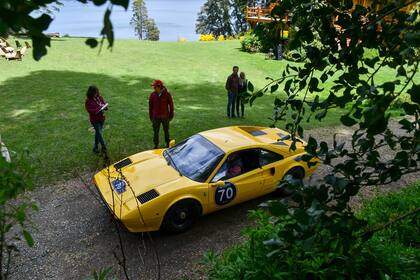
181,216
297,174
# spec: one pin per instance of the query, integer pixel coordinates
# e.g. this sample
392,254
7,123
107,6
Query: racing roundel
225,194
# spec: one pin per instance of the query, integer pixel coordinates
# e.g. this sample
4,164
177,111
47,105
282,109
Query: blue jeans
98,135
231,104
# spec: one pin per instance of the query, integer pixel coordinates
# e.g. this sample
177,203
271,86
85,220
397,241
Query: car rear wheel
297,174
181,216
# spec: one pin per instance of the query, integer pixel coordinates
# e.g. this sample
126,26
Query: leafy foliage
152,31
14,181
268,37
18,15
239,24
320,236
270,253
251,43
102,274
397,245
144,27
225,17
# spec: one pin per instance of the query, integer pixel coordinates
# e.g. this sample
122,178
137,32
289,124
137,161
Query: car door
271,169
225,192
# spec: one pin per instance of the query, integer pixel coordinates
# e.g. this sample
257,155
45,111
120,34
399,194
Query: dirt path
74,234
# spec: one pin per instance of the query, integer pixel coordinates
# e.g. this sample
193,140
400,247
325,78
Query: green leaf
388,87
287,86
123,3
273,242
99,2
401,71
42,22
371,61
301,216
274,88
406,124
321,115
250,87
414,92
300,131
39,43
347,120
313,84
324,77
28,238
277,208
410,109
107,30
278,102
311,146
91,42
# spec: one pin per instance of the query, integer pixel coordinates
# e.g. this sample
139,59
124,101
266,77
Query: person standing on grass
161,111
95,105
232,84
242,89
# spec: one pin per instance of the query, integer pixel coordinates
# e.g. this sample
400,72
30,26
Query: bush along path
73,233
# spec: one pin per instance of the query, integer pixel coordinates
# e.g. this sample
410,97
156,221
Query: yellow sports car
170,188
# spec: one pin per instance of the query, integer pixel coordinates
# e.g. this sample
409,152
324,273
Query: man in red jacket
161,111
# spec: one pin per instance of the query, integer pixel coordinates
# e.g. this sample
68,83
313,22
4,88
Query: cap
157,83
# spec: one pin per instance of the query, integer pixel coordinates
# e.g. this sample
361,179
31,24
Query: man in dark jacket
161,111
232,84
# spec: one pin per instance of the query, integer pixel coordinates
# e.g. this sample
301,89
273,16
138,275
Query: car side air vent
123,163
147,196
257,133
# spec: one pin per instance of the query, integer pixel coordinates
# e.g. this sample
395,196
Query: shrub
182,40
221,38
250,43
206,37
396,246
392,252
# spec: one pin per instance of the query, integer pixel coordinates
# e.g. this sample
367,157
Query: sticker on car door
225,194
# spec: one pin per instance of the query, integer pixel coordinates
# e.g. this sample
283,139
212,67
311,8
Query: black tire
297,174
181,216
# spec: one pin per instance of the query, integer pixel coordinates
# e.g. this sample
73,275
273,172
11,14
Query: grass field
42,103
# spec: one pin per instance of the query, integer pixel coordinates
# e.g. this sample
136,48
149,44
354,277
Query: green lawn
42,103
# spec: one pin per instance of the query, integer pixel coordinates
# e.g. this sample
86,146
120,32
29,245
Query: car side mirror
171,143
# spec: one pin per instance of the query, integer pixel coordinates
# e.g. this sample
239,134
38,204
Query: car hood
142,172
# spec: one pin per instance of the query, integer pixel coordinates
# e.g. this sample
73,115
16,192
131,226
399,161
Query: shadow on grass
44,112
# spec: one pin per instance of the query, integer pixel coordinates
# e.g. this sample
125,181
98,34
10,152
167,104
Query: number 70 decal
225,194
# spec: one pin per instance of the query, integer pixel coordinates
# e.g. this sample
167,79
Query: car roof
233,137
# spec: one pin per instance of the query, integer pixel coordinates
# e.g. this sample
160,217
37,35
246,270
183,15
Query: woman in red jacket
95,106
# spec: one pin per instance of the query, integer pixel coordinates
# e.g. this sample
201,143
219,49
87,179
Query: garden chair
3,42
16,55
8,48
27,45
2,52
18,45
23,51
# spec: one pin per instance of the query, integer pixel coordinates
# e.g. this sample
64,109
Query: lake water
175,19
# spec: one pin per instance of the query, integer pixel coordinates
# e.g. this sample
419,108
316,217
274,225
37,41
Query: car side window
267,157
221,174
237,164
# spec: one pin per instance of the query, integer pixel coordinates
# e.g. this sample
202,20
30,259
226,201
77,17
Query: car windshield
195,157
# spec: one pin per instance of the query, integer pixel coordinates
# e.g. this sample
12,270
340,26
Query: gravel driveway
74,235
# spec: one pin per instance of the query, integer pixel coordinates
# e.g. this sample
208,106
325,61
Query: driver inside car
235,166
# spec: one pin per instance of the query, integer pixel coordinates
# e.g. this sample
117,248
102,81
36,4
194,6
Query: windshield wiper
171,161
